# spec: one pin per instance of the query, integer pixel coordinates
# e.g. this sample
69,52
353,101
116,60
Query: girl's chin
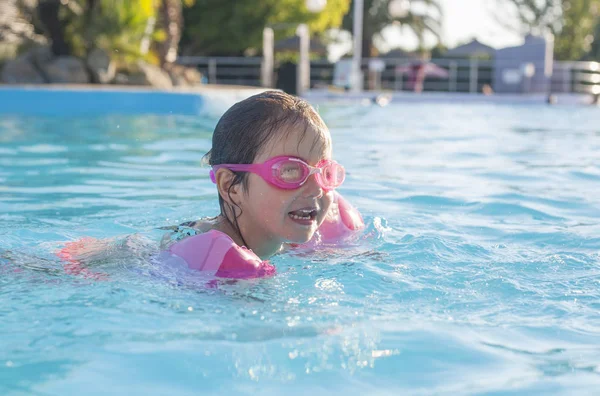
302,230
301,238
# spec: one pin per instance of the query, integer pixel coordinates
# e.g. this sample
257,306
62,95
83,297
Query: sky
466,19
462,21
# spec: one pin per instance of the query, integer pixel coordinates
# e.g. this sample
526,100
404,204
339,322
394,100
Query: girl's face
271,216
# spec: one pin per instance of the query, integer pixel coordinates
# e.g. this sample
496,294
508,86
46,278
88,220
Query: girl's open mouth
304,215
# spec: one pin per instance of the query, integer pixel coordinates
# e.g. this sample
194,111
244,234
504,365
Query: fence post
398,79
473,76
303,70
267,62
453,76
356,74
212,71
567,79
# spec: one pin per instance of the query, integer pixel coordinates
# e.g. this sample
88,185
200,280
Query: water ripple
479,271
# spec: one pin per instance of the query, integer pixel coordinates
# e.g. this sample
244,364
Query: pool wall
210,100
98,100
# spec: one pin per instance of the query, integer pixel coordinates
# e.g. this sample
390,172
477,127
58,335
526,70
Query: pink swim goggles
289,173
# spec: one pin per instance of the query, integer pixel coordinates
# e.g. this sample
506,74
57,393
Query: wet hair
250,125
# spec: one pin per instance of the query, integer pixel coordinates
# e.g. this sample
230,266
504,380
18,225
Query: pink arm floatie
215,252
342,221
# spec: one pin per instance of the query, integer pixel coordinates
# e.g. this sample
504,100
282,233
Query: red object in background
418,71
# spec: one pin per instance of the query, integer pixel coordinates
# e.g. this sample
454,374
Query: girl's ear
224,178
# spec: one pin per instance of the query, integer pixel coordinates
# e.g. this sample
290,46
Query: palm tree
170,16
48,13
171,20
377,17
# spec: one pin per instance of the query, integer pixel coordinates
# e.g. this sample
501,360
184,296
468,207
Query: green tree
594,52
48,12
574,24
170,16
229,27
424,16
119,26
579,32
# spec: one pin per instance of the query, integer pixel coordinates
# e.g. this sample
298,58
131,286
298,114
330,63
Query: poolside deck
316,96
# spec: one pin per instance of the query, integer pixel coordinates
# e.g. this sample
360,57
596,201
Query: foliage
573,22
531,16
229,27
128,29
439,51
579,32
376,17
117,26
594,52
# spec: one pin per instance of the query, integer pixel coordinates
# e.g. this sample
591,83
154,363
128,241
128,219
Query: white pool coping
325,95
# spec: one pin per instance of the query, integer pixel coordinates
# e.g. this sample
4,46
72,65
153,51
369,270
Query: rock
148,74
67,70
101,66
39,56
21,71
28,68
176,75
193,76
182,76
121,79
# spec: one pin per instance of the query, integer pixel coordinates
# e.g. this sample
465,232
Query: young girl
272,163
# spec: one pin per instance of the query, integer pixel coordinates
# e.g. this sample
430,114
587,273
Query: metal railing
226,70
580,77
464,75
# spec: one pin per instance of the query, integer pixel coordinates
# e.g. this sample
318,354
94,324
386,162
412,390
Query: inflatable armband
341,221
215,252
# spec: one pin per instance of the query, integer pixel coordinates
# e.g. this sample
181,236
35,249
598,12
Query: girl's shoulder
202,225
187,229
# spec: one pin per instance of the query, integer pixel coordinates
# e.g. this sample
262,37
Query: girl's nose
312,188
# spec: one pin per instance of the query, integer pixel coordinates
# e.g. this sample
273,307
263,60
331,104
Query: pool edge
81,100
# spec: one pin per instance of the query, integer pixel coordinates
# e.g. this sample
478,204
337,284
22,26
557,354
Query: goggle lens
332,175
290,172
295,173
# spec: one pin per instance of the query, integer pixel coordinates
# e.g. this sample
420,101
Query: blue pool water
479,272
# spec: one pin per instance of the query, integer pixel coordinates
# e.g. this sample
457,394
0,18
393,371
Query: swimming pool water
479,271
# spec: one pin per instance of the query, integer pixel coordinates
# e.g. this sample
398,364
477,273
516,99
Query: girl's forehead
302,141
